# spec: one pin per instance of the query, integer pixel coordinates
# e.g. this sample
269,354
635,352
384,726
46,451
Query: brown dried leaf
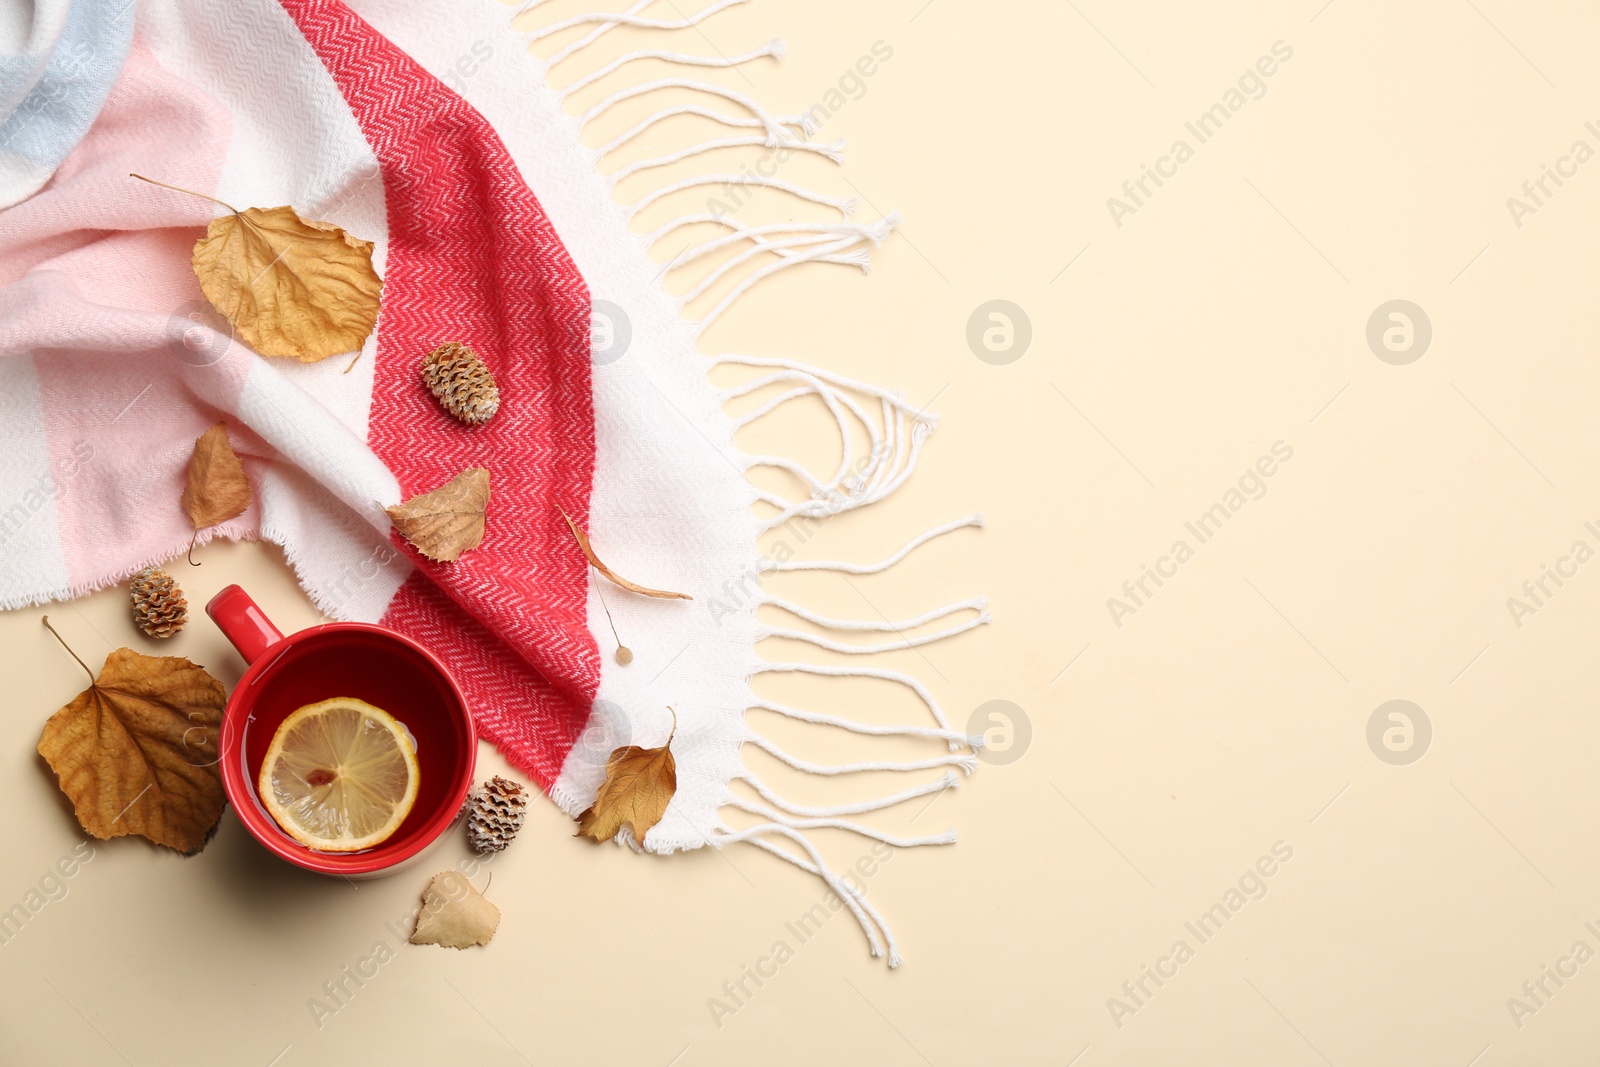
136,752
594,561
290,287
449,520
640,783
217,489
454,914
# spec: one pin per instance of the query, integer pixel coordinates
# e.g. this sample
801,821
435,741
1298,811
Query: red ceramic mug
342,659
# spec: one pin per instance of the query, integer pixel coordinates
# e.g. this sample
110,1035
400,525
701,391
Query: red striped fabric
473,258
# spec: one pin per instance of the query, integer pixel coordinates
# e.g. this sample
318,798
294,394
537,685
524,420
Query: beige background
1227,715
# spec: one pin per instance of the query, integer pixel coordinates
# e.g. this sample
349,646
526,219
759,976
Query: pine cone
494,814
159,609
462,383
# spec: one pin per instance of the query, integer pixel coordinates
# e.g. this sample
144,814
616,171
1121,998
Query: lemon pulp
340,775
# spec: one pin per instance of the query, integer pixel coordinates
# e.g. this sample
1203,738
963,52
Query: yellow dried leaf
594,561
290,287
136,752
640,783
216,490
454,914
449,520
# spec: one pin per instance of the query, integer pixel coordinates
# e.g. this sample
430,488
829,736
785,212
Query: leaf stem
85,666
181,189
621,648
192,540
674,732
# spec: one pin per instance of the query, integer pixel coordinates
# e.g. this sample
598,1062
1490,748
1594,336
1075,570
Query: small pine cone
159,609
495,813
462,383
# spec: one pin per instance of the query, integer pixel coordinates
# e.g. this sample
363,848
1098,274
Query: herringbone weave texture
472,257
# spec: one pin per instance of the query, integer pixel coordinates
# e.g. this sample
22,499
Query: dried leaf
290,287
449,520
594,561
454,914
639,785
136,752
217,490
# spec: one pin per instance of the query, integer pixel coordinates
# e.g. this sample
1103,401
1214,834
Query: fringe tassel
775,132
876,232
610,19
956,738
979,603
763,632
845,206
881,565
832,152
895,441
871,922
948,837
861,807
774,48
895,432
592,36
862,672
805,124
967,764
789,257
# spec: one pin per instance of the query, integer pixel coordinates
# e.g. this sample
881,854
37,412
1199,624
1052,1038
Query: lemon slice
340,775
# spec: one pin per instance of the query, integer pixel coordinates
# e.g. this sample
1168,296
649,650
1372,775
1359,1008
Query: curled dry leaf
594,561
136,752
290,287
216,490
454,914
640,783
449,520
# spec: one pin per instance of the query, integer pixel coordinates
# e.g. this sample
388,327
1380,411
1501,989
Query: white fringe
955,737
610,19
967,764
831,671
775,131
895,441
948,837
883,564
763,632
871,922
592,36
950,781
978,603
829,253
774,48
832,152
876,232
804,123
846,206
895,432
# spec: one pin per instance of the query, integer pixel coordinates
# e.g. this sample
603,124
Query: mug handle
241,622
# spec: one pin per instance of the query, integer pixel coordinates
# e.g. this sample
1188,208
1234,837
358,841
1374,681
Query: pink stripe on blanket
473,258
110,418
